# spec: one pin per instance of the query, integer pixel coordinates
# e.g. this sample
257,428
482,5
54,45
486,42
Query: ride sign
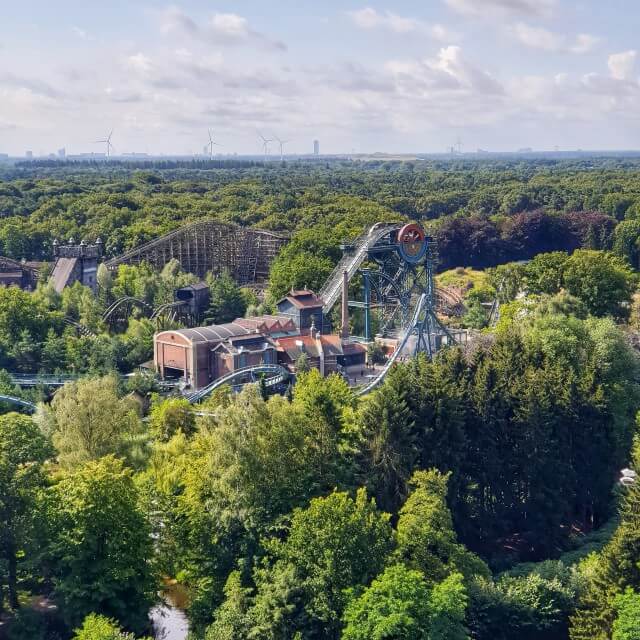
412,243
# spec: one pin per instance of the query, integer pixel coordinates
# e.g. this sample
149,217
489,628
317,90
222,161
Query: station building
203,354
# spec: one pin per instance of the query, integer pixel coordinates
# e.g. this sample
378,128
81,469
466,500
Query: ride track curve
25,404
277,375
408,332
351,261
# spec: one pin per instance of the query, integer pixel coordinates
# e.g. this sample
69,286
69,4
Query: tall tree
426,537
601,280
396,605
626,626
390,440
23,450
100,545
626,241
91,420
171,416
96,627
227,302
615,569
334,544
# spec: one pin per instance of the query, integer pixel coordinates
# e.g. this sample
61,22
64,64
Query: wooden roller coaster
211,246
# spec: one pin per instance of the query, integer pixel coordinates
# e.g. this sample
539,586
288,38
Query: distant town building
316,147
62,153
4,156
76,263
28,155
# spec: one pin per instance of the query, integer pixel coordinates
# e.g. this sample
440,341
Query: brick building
201,355
303,307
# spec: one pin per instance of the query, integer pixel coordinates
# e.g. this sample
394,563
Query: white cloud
546,40
229,25
622,65
518,7
189,81
30,85
536,37
369,18
139,63
366,18
451,61
122,95
220,28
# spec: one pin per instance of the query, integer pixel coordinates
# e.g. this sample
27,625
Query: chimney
320,348
344,330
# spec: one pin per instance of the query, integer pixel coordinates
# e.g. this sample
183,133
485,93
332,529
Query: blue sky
402,76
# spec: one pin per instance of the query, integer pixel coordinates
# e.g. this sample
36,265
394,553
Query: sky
401,76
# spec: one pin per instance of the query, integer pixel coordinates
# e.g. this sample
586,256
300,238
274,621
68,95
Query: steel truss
395,289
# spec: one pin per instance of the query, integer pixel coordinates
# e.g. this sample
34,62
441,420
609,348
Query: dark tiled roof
292,347
302,299
271,325
62,272
351,348
331,345
213,333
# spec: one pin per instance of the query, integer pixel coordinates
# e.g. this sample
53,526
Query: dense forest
475,496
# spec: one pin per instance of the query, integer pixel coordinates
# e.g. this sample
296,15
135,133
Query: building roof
253,326
332,345
259,344
352,348
9,264
293,346
212,333
302,299
268,324
62,272
197,286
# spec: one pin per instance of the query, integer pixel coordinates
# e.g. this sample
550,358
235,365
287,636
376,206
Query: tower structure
76,263
397,299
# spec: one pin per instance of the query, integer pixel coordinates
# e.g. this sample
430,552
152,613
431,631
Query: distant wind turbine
265,144
211,144
106,141
281,143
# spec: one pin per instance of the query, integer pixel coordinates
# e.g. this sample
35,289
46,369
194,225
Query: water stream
168,618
